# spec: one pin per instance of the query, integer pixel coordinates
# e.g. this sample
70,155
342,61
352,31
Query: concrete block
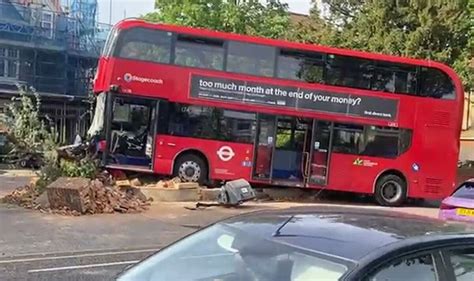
207,194
170,195
68,192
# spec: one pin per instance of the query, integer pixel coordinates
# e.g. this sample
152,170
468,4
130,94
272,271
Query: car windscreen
465,191
221,252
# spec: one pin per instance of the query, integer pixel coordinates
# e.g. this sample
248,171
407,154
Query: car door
459,263
450,260
422,266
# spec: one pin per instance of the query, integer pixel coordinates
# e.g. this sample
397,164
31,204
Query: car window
223,253
420,268
462,261
465,191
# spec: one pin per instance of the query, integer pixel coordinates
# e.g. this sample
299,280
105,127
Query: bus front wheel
190,168
391,190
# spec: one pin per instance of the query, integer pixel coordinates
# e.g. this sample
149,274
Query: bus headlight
415,167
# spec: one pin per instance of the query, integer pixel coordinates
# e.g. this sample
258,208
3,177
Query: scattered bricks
137,193
123,183
68,193
42,201
172,183
136,182
187,185
23,196
34,181
77,196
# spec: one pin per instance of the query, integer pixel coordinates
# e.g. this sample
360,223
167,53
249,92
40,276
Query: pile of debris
174,183
24,196
79,196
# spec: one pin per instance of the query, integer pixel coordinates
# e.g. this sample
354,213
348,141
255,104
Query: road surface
36,246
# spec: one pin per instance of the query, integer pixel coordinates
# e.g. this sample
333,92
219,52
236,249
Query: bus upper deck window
394,78
251,59
144,44
436,84
302,66
348,71
199,52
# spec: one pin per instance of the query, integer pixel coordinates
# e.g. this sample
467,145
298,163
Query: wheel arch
196,152
390,172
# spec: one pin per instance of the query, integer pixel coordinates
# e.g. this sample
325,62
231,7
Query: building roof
296,18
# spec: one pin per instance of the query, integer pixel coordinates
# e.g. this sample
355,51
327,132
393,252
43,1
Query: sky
135,8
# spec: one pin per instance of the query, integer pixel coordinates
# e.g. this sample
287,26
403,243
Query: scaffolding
69,25
53,46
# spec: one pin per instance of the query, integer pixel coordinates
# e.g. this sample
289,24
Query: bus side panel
438,163
437,149
227,161
355,173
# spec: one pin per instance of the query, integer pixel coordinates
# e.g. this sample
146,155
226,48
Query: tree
250,17
438,30
26,129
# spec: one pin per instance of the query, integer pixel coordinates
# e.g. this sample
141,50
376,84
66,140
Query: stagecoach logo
365,163
225,153
128,77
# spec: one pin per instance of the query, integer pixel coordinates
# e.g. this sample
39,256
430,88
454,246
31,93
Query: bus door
264,144
130,130
318,166
291,151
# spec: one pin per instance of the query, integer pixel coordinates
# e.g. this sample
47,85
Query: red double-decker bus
206,105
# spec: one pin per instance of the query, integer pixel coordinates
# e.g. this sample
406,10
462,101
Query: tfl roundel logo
225,153
127,77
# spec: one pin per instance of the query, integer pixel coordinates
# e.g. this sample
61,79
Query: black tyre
191,168
391,190
23,163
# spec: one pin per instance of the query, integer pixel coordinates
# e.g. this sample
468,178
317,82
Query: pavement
466,151
467,134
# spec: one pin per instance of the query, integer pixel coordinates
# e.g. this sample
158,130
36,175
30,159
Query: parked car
460,205
323,244
30,160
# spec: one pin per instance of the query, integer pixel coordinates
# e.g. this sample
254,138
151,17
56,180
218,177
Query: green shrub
86,168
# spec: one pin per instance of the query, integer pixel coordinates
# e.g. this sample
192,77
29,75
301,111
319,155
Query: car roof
346,233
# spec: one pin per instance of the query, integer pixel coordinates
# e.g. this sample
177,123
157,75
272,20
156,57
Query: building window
251,59
9,66
47,24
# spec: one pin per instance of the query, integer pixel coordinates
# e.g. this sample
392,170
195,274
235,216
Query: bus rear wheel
190,168
391,190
